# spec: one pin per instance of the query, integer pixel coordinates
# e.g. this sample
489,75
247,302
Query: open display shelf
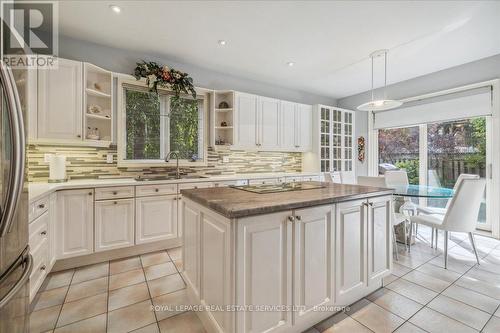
223,134
98,104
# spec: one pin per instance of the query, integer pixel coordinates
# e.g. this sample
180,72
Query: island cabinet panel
264,272
379,238
191,250
75,223
156,218
114,224
350,251
216,268
313,261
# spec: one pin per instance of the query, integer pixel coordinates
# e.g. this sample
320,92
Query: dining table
422,191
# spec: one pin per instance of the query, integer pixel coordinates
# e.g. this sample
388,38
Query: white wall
477,71
123,61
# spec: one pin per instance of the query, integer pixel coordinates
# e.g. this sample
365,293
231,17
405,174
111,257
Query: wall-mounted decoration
361,149
165,77
223,105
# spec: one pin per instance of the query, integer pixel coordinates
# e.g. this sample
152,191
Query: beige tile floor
419,295
116,296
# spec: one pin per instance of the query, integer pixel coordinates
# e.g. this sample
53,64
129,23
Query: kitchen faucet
176,154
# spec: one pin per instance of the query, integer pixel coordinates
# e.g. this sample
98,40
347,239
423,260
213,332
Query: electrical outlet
109,158
46,157
225,159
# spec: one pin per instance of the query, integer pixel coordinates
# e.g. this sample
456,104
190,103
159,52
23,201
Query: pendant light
380,104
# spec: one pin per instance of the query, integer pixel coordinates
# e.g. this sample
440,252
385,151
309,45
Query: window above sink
151,125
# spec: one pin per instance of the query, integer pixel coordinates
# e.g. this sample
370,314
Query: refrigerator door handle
15,182
25,259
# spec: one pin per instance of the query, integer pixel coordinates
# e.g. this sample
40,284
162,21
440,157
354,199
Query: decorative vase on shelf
93,133
223,124
223,105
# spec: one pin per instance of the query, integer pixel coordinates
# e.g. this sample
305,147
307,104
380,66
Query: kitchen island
282,258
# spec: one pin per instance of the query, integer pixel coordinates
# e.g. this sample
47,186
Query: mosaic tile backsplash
90,162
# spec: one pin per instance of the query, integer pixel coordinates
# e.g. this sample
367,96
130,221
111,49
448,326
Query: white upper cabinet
303,127
264,123
269,123
60,102
288,129
246,120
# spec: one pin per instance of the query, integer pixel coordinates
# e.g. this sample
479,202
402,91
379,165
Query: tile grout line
64,300
440,293
149,292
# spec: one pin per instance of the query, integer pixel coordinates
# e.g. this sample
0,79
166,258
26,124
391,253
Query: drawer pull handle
291,218
43,233
43,268
175,198
114,202
195,187
90,193
157,190
78,136
298,218
41,206
115,193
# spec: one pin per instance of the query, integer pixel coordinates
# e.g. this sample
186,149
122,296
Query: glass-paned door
454,148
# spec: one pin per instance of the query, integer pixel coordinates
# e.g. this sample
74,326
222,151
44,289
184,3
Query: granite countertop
235,203
41,189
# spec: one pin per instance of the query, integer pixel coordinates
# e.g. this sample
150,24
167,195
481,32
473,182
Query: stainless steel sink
157,178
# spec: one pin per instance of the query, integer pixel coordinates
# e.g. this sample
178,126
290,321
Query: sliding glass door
437,153
454,148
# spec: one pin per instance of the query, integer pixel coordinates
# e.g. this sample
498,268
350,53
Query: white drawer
311,178
195,185
40,268
121,192
38,208
39,231
294,179
263,181
239,182
147,190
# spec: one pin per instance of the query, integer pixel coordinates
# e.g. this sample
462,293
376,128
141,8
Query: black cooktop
284,187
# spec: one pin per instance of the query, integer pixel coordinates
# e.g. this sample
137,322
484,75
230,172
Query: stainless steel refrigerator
15,260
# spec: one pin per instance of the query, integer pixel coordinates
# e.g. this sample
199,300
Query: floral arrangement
163,76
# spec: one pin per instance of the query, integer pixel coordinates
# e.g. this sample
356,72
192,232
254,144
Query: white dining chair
400,178
397,218
461,215
442,211
333,177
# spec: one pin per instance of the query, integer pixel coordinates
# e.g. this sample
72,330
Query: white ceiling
329,41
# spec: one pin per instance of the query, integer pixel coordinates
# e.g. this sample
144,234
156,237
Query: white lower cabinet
155,218
350,250
75,223
114,224
301,265
313,261
264,268
379,238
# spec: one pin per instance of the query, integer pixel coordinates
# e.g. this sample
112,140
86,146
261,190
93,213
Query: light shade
380,105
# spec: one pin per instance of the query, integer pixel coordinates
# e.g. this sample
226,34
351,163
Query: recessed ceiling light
290,64
222,42
115,8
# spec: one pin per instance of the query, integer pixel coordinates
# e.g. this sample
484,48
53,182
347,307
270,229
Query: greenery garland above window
165,77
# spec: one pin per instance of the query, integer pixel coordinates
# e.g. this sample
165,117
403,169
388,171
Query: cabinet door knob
43,233
298,218
115,202
78,136
291,218
43,268
179,198
90,193
41,206
115,193
157,190
175,198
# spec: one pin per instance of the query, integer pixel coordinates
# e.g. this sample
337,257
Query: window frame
122,161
